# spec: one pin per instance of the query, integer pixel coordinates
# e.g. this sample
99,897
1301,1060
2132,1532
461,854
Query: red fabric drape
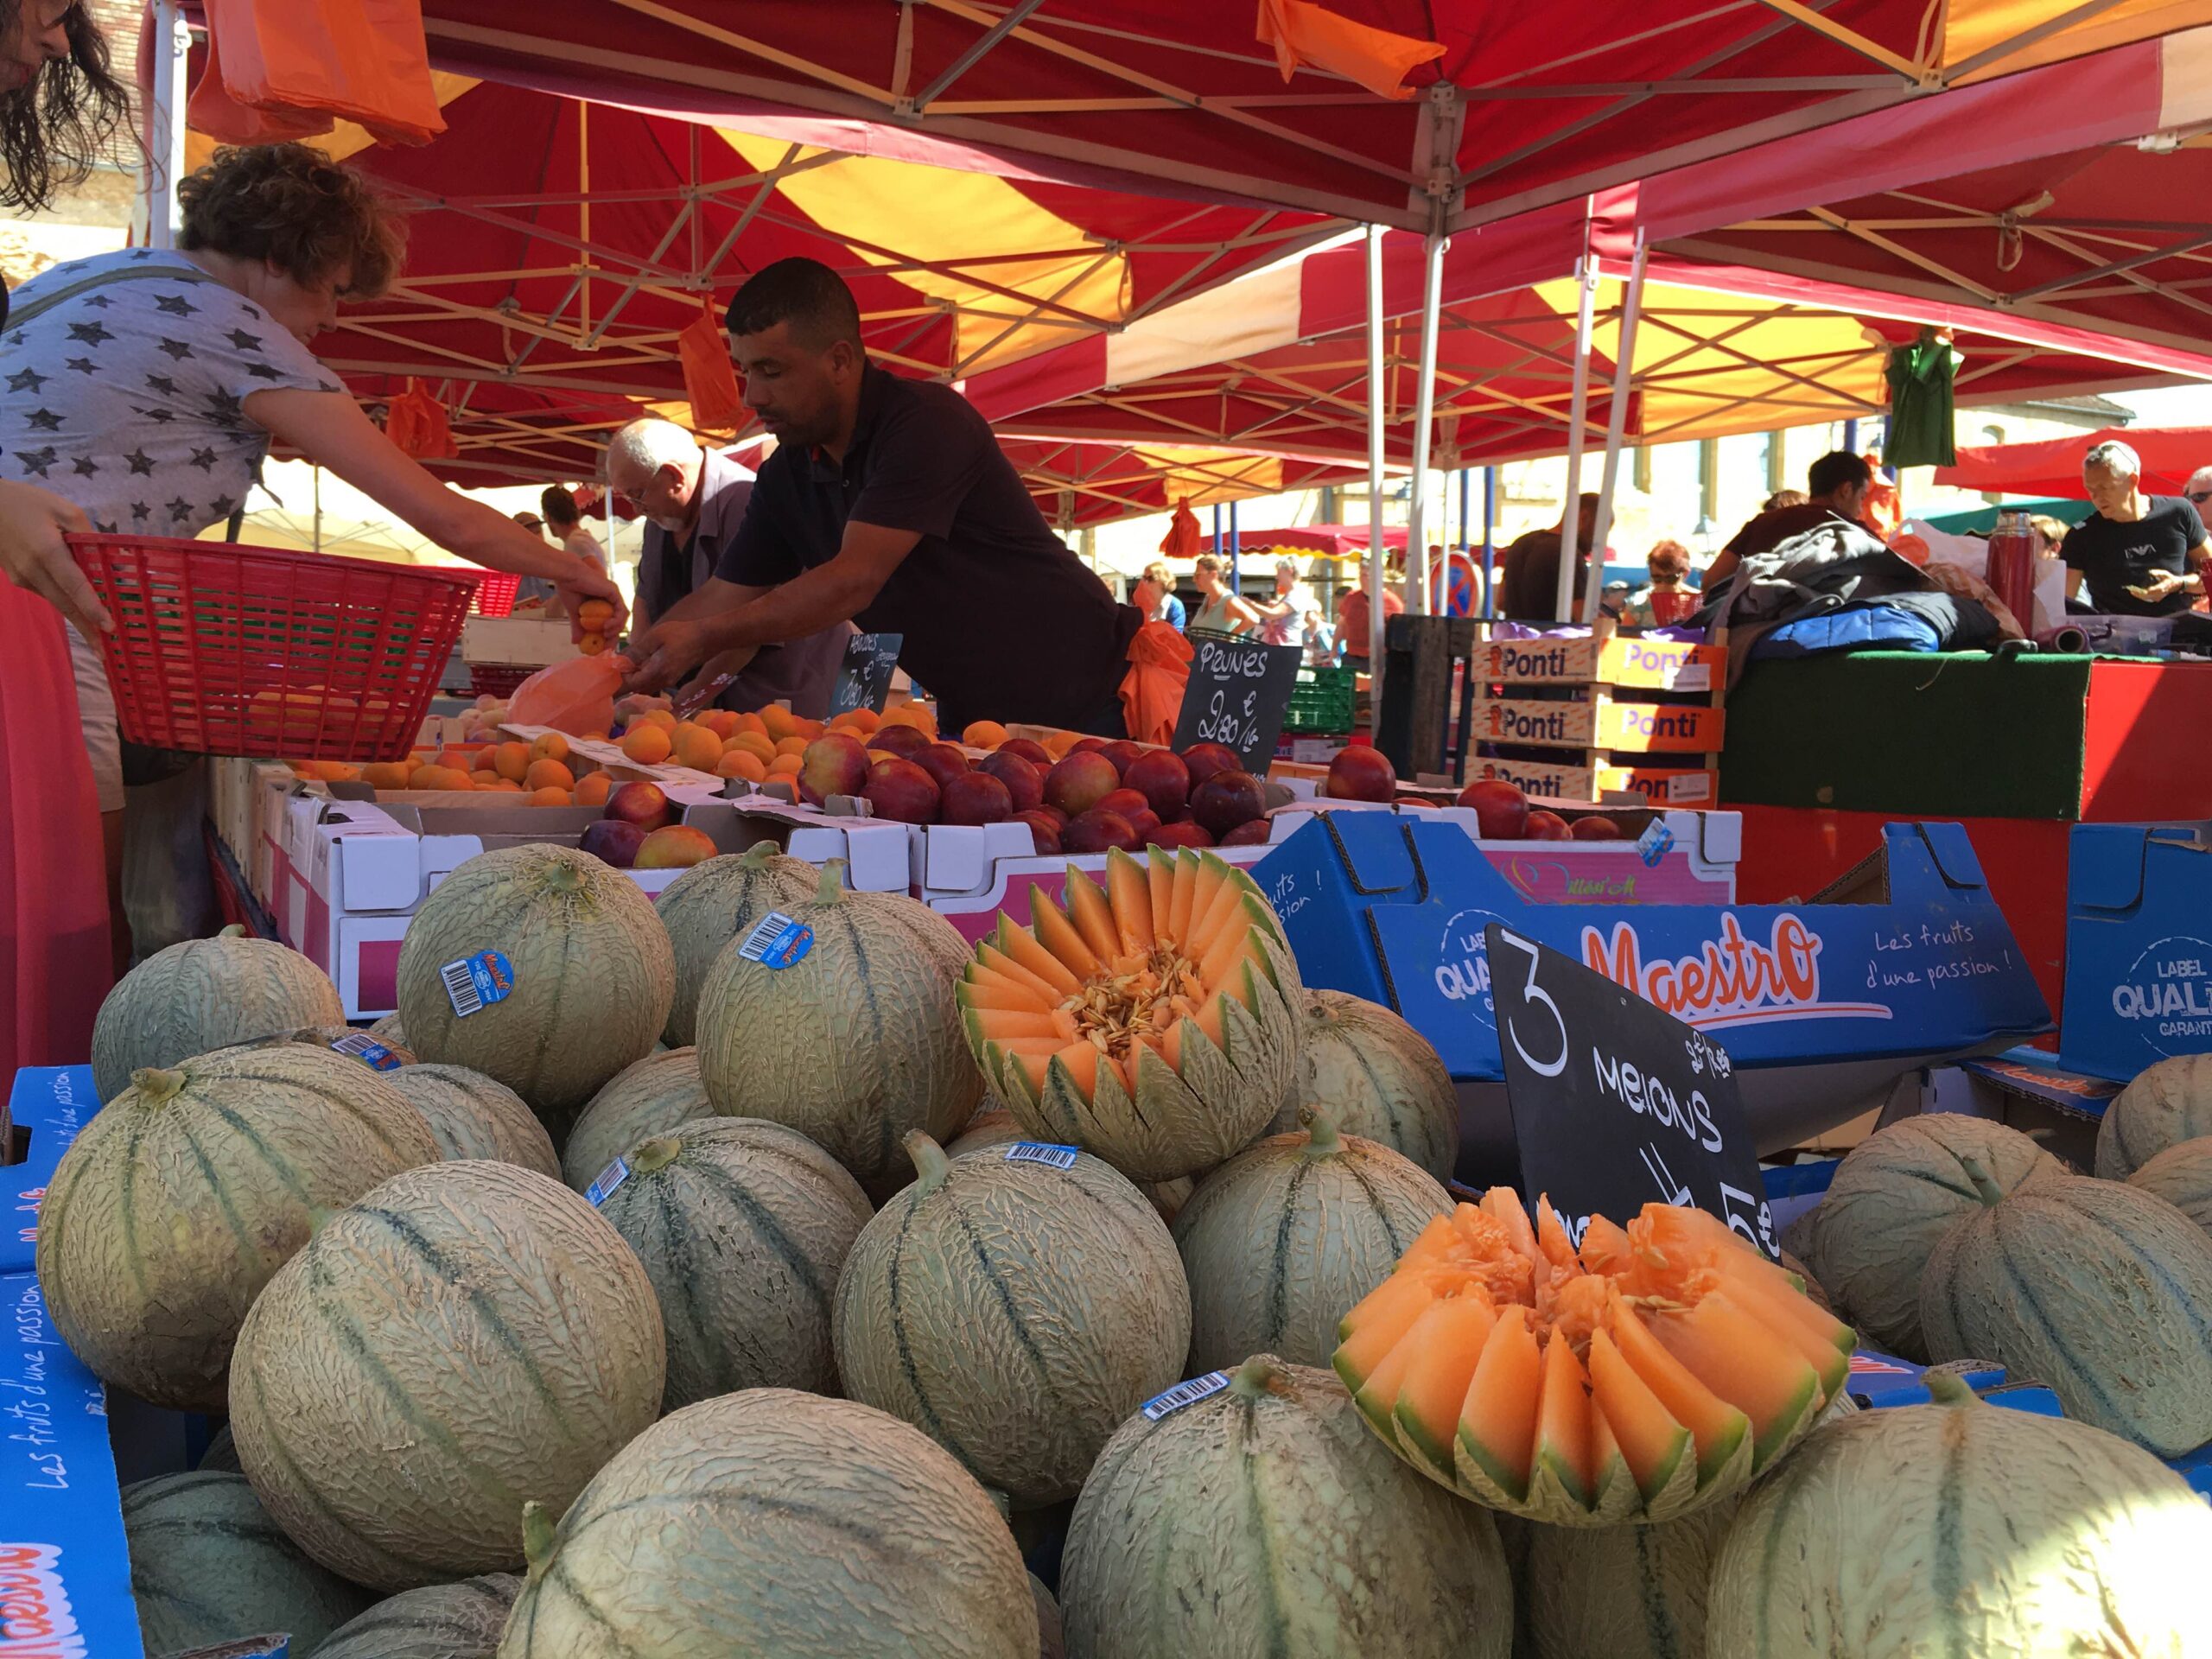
709,381
53,929
1151,691
287,68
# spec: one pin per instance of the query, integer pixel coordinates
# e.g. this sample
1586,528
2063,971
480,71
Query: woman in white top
1289,618
567,525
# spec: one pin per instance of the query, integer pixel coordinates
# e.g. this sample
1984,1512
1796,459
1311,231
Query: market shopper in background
1528,591
1836,487
2138,555
565,521
1355,620
888,503
1219,610
694,500
1153,593
1669,599
2199,492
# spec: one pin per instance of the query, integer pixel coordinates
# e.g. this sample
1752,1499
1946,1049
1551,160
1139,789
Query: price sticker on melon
1183,1394
777,941
362,1047
610,1178
474,983
1041,1152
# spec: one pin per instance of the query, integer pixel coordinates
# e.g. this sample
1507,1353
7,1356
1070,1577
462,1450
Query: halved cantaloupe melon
1151,1020
1652,1369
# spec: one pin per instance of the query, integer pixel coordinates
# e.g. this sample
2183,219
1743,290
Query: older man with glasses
2140,555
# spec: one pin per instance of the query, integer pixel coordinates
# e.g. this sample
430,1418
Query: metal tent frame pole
164,157
1616,427
1376,557
1585,276
1432,307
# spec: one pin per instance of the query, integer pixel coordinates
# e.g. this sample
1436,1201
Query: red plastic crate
221,649
495,593
497,679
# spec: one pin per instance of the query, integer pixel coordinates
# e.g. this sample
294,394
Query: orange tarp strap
1303,33
1151,691
295,61
417,425
1181,541
709,383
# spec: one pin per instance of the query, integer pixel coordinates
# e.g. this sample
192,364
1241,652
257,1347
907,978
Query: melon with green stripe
203,994
1154,1021
463,1339
474,1116
1622,1592
1893,1196
1015,1312
742,1226
1961,1528
1283,1237
1653,1370
770,1521
994,1126
854,1044
658,1095
331,1037
1378,1076
439,1621
713,902
208,1564
181,1198
591,969
2182,1175
2101,1290
2165,1105
1262,1519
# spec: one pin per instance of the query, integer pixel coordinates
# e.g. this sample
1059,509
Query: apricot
793,745
592,791
785,766
697,748
741,763
549,775
984,735
551,797
550,745
591,644
594,614
386,774
483,777
512,760
759,744
648,743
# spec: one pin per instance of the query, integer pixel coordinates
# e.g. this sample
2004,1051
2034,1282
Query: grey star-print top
128,399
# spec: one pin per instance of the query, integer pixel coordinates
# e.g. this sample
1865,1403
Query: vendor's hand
666,654
2162,583
588,583
34,555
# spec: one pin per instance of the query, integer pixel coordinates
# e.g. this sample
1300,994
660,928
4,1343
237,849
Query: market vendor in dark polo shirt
888,502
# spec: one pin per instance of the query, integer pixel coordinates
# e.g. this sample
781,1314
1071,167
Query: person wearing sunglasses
2199,492
2138,555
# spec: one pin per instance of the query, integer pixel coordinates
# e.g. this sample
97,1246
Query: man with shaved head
2138,555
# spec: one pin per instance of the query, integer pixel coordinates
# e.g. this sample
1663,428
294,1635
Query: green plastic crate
1323,700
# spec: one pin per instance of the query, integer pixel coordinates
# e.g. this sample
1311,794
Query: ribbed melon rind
709,905
1378,1076
1962,1529
2101,1290
439,1621
1624,1593
202,995
655,1095
2165,1105
1549,1500
593,974
772,1521
2182,1175
463,1338
168,1215
476,1116
1264,1520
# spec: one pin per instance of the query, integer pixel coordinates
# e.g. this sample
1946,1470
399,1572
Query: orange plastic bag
576,696
1151,691
709,380
1301,32
211,110
1182,540
417,426
362,59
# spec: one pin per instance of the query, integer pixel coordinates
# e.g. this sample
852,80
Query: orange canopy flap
1303,33
709,383
284,68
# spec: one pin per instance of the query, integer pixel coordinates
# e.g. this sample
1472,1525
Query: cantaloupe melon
1622,1592
591,969
770,1521
389,1032
204,994
854,1044
466,1338
1961,1528
1891,1199
344,1039
182,1196
1154,1021
710,904
1051,1640
221,1456
439,1621
2182,1175
2168,1104
208,1564
656,1096
994,1126
1652,1370
2101,1290
1378,1076
1013,1311
742,1226
1286,1236
1262,1519
474,1116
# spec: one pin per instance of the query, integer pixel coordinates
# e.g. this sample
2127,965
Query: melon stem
1987,1191
235,931
931,1164
155,1084
833,882
1253,1376
1947,1389
536,1537
1321,1138
657,1153
758,853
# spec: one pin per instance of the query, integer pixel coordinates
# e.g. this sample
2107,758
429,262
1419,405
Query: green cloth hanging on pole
1920,431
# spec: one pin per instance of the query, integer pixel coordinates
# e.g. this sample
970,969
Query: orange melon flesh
1563,1442
1649,1437
1433,1244
1503,1204
1206,886
1160,883
1377,1398
997,995
1448,1340
1814,1337
1128,885
1551,1237
1185,888
1093,917
1058,935
1717,1427
1007,1026
1605,1246
1026,950
1770,1383
1223,950
1497,1419
1378,1319
989,956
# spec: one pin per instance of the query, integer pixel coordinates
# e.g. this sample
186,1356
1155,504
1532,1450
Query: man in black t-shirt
2138,555
1836,487
888,503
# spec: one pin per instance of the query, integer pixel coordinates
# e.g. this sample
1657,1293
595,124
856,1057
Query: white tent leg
1578,409
1376,559
1616,426
1432,305
164,159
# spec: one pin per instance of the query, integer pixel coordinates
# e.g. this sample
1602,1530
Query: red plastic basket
497,679
227,650
495,593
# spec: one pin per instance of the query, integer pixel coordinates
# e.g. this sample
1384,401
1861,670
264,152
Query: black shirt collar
875,387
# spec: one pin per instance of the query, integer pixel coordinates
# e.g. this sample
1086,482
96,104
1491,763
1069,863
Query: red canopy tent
1337,540
1077,485
2053,467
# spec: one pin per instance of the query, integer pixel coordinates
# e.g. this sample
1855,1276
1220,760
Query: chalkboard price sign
1617,1104
1237,694
864,677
